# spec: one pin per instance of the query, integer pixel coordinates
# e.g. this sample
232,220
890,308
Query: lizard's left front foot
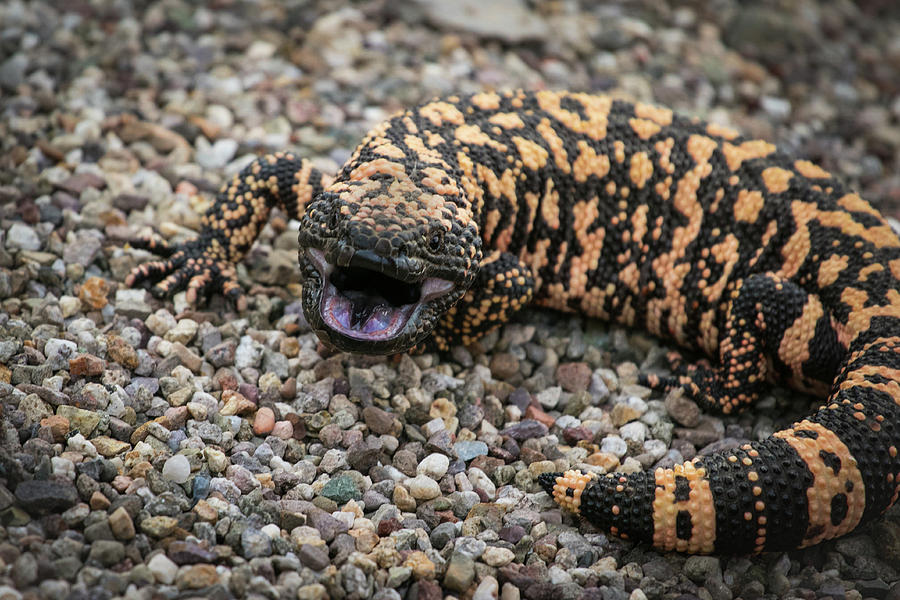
193,266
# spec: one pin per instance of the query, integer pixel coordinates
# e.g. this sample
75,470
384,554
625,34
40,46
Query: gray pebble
255,543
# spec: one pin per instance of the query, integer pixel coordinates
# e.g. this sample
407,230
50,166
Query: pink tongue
379,320
341,308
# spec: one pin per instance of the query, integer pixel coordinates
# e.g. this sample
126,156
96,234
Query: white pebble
481,481
487,589
635,431
21,236
163,569
497,557
63,467
433,426
550,397
272,530
77,443
613,444
344,517
422,487
216,460
177,469
8,593
434,466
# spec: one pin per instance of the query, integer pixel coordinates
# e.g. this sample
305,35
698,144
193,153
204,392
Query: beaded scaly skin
453,215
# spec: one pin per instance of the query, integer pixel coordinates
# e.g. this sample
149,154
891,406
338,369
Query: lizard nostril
334,219
345,255
383,247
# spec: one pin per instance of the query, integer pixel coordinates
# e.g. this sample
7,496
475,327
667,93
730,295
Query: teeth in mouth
361,317
366,305
379,320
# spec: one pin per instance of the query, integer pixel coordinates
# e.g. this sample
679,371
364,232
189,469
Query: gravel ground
153,450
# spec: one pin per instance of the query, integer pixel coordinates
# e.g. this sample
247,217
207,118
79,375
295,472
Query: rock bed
155,450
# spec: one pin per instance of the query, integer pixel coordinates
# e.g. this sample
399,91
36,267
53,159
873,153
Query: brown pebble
298,425
79,182
573,376
141,432
59,426
533,412
682,409
121,352
504,365
225,379
99,501
623,413
195,577
205,512
264,421
94,292
289,388
603,459
177,416
121,524
573,435
120,483
49,150
235,403
289,346
188,357
380,422
86,365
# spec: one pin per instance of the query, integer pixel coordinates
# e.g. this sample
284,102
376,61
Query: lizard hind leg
774,330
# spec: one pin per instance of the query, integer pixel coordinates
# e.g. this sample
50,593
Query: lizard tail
817,480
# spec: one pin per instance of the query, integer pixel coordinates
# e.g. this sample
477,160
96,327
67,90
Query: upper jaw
404,268
369,303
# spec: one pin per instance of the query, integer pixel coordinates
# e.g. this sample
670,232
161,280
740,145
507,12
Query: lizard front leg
206,263
502,287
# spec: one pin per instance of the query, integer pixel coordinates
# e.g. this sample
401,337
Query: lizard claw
190,266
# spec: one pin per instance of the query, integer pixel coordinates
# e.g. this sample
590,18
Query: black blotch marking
570,492
877,378
682,488
815,531
839,508
848,485
806,433
831,460
683,526
573,105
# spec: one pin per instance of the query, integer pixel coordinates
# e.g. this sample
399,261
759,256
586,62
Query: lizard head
382,261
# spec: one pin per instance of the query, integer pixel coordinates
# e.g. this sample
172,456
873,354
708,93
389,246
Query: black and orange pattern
451,216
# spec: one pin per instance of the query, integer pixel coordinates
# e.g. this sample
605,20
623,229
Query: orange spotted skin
451,216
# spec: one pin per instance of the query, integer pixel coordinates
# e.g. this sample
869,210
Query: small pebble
177,469
264,422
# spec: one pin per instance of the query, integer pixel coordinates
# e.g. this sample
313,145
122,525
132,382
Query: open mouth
366,304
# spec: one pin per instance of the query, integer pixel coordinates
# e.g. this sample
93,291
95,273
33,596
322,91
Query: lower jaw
343,343
389,339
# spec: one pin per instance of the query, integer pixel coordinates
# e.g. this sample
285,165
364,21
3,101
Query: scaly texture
453,215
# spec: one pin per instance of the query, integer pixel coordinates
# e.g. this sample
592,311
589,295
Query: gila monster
450,217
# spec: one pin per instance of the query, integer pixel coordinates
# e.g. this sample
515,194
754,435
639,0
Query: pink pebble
264,421
283,430
121,483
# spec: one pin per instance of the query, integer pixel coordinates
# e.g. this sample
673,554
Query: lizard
451,216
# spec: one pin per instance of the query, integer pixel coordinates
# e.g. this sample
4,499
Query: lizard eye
435,239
